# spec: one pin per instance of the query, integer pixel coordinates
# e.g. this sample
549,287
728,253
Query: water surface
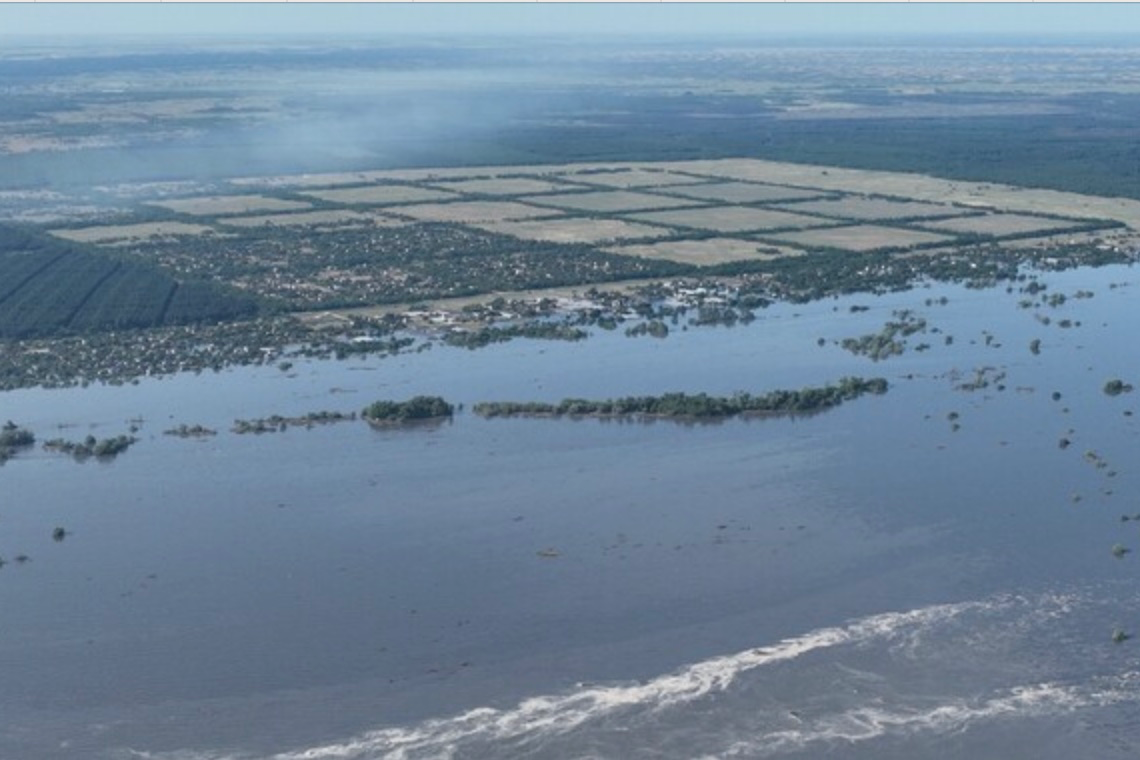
867,582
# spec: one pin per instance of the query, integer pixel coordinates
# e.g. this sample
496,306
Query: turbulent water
922,574
757,703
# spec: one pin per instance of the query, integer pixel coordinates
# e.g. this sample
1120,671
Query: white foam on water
546,716
537,720
864,723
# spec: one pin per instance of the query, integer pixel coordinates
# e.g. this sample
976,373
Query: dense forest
1084,147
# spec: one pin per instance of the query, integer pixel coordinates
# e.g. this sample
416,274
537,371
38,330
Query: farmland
575,230
875,209
864,237
743,192
627,177
730,219
999,225
406,236
222,205
379,195
473,211
704,252
505,186
610,202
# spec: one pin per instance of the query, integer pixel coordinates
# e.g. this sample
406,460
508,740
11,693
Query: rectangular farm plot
574,230
505,186
744,192
123,232
610,201
224,205
380,195
731,219
873,209
229,205
1001,224
630,178
860,238
473,211
702,252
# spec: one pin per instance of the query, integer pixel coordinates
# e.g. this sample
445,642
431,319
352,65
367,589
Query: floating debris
190,431
1116,386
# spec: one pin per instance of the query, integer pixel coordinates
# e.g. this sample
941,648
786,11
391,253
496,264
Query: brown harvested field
630,178
380,195
325,218
473,211
730,219
871,209
610,201
744,192
703,252
919,187
505,186
116,232
223,205
859,238
999,224
826,178
574,230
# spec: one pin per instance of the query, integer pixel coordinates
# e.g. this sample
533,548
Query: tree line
693,406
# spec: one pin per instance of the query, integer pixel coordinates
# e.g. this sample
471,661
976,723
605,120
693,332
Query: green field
50,287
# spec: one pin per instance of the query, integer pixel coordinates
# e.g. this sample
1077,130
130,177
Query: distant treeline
1081,149
694,406
50,287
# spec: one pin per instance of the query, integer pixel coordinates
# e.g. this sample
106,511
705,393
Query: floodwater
880,581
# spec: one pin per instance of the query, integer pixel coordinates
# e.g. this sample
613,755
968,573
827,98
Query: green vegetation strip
485,336
695,406
107,448
383,413
12,439
277,423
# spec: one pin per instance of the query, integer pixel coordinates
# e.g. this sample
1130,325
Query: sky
533,19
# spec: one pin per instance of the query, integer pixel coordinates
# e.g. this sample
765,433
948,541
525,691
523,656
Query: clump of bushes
416,408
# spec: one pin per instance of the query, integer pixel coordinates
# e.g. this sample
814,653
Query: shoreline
118,358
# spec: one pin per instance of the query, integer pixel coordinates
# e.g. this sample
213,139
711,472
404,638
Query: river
921,574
